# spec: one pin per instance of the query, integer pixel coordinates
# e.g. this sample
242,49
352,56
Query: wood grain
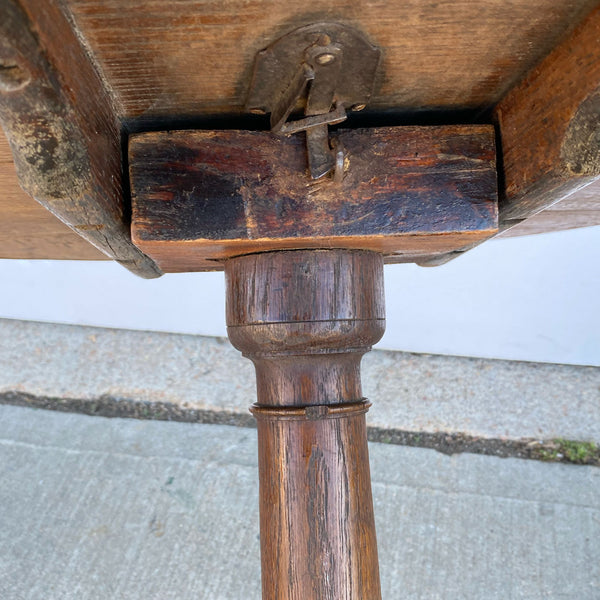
63,132
201,197
316,508
305,319
581,209
27,230
196,57
550,126
140,62
551,220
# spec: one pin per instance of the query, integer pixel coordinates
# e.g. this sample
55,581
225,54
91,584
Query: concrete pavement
100,509
410,392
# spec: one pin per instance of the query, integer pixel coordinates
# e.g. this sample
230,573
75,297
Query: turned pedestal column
305,319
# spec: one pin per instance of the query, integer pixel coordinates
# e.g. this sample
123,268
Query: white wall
531,298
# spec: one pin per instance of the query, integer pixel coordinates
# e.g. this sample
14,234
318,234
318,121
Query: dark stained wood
27,230
201,197
550,126
62,129
196,57
305,319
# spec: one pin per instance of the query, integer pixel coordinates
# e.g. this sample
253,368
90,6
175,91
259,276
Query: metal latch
320,69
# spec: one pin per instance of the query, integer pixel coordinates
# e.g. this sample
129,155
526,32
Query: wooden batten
550,128
200,197
27,229
64,134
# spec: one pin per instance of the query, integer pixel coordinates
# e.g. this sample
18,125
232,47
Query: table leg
305,318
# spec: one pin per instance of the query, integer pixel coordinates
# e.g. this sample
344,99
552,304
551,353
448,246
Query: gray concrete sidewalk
410,392
102,509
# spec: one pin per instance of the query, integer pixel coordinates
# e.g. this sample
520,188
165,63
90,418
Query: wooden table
126,120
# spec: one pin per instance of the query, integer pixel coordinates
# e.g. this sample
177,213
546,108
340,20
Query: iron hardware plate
321,69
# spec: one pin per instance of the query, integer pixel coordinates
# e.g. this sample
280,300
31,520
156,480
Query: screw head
325,58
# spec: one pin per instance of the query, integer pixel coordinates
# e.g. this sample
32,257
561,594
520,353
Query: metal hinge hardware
321,69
